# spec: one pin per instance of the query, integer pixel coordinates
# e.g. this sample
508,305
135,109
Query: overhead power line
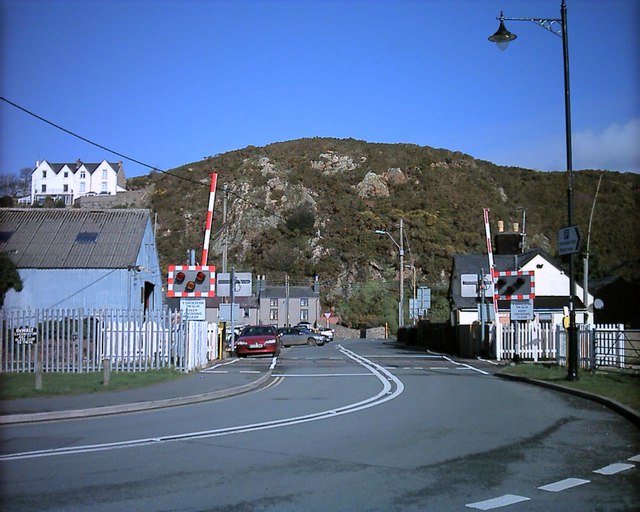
131,159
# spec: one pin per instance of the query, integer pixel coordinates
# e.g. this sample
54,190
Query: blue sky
170,82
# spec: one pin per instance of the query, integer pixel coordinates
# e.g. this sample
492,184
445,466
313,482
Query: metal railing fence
598,345
77,340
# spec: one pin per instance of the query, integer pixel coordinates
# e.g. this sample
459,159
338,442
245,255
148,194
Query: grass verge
22,385
623,387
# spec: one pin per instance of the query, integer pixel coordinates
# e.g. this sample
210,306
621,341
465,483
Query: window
273,315
65,188
82,175
273,303
304,302
304,315
104,174
44,189
66,174
44,174
87,237
83,187
104,187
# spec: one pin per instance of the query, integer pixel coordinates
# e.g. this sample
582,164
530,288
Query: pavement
222,380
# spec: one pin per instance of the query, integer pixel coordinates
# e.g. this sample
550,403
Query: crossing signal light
191,281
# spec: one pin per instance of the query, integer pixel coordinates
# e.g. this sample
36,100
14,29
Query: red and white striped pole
207,230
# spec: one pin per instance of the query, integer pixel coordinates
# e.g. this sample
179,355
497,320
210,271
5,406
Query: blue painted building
75,258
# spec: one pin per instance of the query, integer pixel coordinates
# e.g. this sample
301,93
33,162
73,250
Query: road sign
521,309
569,239
193,309
225,312
242,285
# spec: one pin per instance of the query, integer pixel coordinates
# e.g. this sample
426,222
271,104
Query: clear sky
170,82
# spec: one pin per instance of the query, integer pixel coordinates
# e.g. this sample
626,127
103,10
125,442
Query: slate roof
72,238
73,166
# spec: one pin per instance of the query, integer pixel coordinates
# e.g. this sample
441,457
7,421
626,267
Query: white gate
598,345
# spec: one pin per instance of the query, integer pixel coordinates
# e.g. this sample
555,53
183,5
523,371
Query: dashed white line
635,458
563,485
612,469
500,501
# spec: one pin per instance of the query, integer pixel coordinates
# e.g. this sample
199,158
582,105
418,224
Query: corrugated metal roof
48,238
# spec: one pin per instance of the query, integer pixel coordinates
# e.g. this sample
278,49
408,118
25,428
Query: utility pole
401,306
286,304
225,227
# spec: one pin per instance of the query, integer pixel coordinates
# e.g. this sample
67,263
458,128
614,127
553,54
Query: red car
258,339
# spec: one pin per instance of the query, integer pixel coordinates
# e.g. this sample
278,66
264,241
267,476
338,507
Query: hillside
310,207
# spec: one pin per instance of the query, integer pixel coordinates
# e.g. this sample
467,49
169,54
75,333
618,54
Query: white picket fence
76,340
598,345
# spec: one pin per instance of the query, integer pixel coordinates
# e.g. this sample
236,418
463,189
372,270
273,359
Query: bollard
38,375
106,371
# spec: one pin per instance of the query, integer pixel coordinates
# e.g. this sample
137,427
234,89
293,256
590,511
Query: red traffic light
179,277
200,277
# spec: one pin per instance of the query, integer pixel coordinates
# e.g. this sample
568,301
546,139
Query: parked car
327,333
258,339
300,336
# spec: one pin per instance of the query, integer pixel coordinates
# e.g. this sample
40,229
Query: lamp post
400,247
502,38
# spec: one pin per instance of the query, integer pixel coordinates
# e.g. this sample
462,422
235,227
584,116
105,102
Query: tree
9,277
370,305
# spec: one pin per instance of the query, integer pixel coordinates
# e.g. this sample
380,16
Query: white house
551,283
69,181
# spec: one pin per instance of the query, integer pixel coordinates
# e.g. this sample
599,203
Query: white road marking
387,393
612,469
212,369
324,375
249,371
466,366
635,458
563,485
501,501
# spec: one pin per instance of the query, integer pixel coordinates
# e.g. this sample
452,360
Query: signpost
569,240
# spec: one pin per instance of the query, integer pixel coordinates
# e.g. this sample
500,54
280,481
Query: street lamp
400,247
502,38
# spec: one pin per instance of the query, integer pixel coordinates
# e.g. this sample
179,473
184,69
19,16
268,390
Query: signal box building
74,258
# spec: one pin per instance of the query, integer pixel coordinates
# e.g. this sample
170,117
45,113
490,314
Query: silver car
300,336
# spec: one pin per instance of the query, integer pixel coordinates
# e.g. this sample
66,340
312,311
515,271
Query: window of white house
104,186
65,188
304,315
66,174
44,174
304,302
82,175
44,188
273,302
83,187
273,315
104,174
